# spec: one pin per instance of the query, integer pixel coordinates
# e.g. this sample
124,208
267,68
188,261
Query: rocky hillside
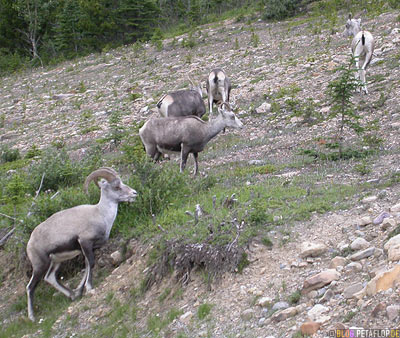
338,270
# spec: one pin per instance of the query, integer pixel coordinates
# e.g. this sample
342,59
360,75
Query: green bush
280,9
158,187
10,63
9,155
59,171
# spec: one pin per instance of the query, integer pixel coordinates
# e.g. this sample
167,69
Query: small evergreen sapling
340,92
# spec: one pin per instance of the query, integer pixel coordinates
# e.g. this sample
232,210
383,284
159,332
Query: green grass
204,310
49,305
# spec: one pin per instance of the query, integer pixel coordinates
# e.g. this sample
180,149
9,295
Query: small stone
319,280
379,308
379,219
393,248
354,266
263,108
392,311
337,261
312,294
280,306
362,254
388,223
186,317
364,221
308,249
247,314
327,296
316,312
395,208
264,301
116,257
256,162
351,290
359,244
284,314
369,199
261,321
309,328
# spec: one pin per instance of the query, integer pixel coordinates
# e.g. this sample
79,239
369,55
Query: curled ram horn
105,172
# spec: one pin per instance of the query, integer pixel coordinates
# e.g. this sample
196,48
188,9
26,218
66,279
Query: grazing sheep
218,87
182,103
184,134
362,47
80,229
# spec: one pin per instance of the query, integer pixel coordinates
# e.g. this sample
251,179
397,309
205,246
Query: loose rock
392,311
308,249
284,314
316,313
351,290
383,281
337,261
319,280
393,248
362,254
309,328
359,244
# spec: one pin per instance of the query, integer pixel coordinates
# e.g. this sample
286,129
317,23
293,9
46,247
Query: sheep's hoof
77,294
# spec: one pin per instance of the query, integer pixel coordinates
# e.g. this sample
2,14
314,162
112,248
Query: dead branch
36,195
6,216
6,237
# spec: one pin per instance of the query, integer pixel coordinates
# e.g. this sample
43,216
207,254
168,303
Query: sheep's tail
215,78
363,39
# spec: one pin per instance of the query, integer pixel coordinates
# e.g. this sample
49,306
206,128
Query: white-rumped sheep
362,47
218,88
182,103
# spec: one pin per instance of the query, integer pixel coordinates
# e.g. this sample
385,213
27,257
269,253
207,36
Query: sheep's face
229,117
118,191
353,26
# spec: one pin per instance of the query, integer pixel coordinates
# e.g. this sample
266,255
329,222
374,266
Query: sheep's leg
210,101
196,165
358,75
37,275
79,290
184,156
51,278
157,156
224,96
87,250
368,57
153,152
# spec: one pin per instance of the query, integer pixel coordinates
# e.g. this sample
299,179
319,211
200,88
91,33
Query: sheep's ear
349,16
102,183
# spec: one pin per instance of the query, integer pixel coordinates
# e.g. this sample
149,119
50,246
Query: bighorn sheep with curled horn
362,47
186,135
218,87
80,229
183,102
